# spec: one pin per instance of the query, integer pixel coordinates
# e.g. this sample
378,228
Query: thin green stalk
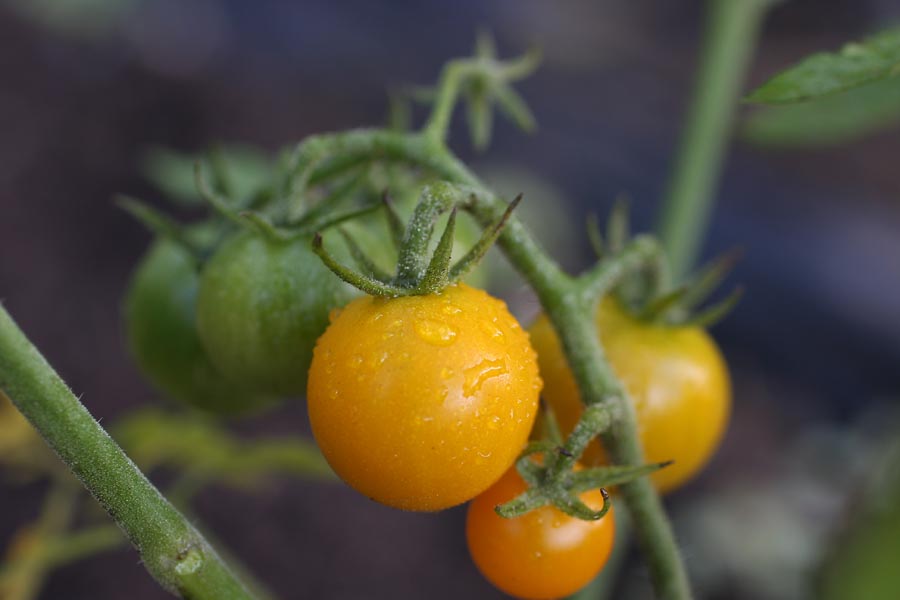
439,120
172,550
732,28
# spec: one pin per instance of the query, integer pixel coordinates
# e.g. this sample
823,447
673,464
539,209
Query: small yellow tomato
676,377
422,402
542,554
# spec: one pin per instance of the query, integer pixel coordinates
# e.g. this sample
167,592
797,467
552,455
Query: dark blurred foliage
816,341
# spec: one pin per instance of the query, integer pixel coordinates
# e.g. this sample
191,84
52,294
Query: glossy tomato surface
160,324
422,402
261,306
542,554
676,377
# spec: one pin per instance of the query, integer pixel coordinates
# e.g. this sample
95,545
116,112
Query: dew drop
451,309
435,332
477,376
491,330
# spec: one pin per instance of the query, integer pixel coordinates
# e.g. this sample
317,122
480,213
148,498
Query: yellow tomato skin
676,377
422,402
542,554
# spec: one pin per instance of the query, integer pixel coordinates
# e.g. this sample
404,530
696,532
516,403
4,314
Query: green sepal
595,237
477,252
436,275
363,262
395,223
710,316
618,226
603,477
367,284
159,223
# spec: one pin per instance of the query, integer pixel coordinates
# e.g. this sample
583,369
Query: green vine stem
732,28
172,550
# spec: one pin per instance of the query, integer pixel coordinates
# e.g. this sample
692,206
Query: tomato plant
422,396
160,323
675,375
422,402
542,554
261,305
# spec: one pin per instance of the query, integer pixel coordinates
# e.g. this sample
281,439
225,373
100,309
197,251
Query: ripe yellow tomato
422,402
542,554
676,377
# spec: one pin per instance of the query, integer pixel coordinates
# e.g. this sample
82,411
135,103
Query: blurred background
87,86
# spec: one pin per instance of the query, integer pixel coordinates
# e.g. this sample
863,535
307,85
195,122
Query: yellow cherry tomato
542,554
422,402
676,377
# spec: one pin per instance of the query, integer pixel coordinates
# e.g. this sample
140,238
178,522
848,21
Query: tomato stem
730,36
172,550
436,199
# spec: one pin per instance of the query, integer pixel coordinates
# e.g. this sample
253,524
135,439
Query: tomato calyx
549,468
296,225
648,295
483,82
419,272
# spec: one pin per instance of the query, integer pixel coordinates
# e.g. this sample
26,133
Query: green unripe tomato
262,304
160,324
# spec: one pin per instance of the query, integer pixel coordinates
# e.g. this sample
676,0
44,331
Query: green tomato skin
160,324
261,307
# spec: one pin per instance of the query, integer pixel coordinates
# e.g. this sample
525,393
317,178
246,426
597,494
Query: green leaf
172,173
246,171
830,120
874,59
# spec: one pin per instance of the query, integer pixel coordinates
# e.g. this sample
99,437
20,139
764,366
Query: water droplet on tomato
451,309
482,372
435,332
492,330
